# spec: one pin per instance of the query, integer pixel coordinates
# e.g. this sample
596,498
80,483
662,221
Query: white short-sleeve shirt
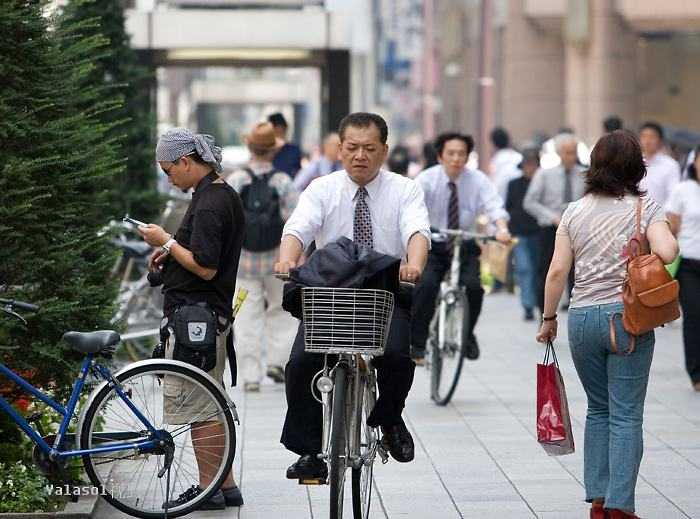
663,173
326,209
685,202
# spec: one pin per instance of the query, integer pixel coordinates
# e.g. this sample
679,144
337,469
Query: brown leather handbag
650,294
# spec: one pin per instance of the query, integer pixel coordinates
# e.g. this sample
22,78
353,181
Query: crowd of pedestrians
572,221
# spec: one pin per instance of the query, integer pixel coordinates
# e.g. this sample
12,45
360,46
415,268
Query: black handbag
195,327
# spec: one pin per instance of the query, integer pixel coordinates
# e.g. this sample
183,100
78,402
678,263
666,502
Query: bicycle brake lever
15,314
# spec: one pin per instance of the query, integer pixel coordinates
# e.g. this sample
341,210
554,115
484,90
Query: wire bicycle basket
346,320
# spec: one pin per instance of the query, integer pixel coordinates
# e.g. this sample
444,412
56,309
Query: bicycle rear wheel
338,443
447,344
192,417
362,476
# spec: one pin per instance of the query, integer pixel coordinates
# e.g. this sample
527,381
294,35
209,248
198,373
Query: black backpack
263,217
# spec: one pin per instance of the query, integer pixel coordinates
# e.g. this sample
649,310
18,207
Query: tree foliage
59,161
134,122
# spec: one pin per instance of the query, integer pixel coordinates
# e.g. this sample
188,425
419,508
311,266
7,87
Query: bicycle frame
353,363
68,412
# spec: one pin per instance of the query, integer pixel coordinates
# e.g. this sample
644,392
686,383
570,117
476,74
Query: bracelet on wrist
550,318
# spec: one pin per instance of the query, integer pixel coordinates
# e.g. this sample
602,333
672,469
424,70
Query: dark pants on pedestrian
428,288
689,279
526,259
303,425
547,237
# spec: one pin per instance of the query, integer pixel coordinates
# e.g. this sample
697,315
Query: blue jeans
526,255
616,386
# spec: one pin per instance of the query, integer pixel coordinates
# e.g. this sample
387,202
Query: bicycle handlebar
404,284
19,304
443,233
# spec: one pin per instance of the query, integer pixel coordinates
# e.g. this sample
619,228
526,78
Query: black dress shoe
308,466
215,502
471,350
399,442
232,496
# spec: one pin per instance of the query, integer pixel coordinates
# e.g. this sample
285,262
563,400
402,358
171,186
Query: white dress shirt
504,168
685,202
477,195
326,209
663,173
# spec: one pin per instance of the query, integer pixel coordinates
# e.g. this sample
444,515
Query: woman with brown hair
593,235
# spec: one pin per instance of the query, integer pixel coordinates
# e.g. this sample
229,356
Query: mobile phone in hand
138,223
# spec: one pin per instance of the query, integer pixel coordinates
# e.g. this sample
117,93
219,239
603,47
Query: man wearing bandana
198,266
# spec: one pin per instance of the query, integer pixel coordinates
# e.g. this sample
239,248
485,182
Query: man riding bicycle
379,210
455,196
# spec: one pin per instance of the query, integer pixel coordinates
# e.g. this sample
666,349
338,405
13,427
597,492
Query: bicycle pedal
312,481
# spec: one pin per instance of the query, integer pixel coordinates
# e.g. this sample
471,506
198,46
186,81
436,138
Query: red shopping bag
553,421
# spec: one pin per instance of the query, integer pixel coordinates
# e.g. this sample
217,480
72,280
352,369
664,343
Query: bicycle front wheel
193,421
447,343
362,475
338,443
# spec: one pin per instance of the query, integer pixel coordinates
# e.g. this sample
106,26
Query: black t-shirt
521,222
212,228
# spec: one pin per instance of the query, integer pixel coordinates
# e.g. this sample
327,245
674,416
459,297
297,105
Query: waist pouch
195,328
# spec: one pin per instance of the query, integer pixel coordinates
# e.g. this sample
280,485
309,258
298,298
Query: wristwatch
168,244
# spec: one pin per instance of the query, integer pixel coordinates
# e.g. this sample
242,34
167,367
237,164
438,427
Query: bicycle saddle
102,341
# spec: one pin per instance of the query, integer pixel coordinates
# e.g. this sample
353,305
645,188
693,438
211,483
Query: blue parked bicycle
157,438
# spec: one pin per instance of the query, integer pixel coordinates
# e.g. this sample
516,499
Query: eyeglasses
167,170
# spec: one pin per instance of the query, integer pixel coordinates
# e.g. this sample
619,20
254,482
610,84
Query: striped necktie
453,207
362,224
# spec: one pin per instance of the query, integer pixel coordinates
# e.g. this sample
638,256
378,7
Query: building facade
567,63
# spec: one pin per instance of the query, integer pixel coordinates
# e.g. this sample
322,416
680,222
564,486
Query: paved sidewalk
477,457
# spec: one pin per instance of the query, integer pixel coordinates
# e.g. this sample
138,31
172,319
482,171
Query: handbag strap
634,246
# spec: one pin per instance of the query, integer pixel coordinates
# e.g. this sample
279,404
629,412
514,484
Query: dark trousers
427,289
303,424
689,279
547,237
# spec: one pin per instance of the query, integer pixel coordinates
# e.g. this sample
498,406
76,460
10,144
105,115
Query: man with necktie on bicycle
455,196
379,210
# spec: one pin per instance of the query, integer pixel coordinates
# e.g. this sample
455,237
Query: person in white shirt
663,172
503,166
683,211
337,205
455,196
